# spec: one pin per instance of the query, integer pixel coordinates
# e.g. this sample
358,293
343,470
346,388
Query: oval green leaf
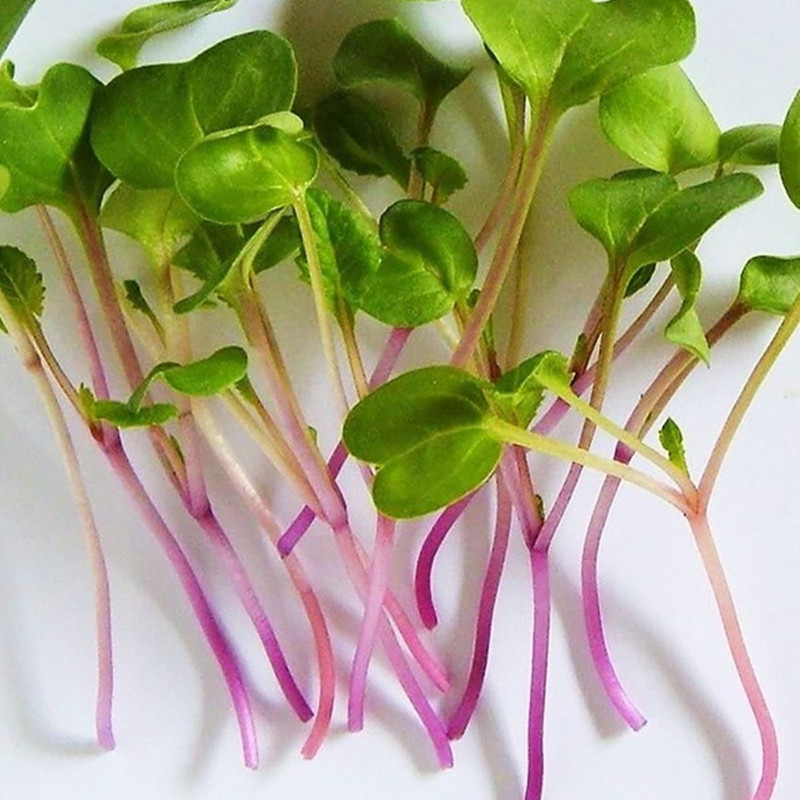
789,152
211,375
685,328
441,172
750,145
770,284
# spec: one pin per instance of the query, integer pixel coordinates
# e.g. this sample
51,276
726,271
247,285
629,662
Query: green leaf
671,440
640,279
12,13
21,285
13,92
211,375
519,391
359,136
684,217
659,119
425,431
148,117
156,218
123,46
685,328
428,264
138,302
122,416
283,243
44,146
242,176
770,284
349,249
789,152
439,171
565,52
750,145
614,210
383,50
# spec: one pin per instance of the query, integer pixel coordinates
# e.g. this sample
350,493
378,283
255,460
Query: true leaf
383,50
21,285
123,46
440,171
211,375
750,145
12,13
789,152
156,218
659,119
122,416
671,440
242,176
770,284
359,136
428,264
348,248
565,52
425,431
148,117
44,146
138,302
685,328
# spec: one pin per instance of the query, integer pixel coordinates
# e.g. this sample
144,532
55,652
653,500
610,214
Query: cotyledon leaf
685,328
770,284
21,284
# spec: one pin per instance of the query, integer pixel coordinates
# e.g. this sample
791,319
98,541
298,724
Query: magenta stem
483,629
376,593
427,555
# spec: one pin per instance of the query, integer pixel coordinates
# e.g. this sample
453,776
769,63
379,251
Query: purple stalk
391,353
483,629
427,554
540,575
376,594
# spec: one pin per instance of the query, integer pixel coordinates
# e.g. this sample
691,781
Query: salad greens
219,177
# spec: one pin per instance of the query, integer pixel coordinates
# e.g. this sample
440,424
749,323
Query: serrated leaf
156,218
565,52
122,47
122,416
147,118
242,176
211,375
750,145
428,264
685,328
425,432
359,136
44,147
348,248
12,13
671,440
385,51
770,284
440,171
659,119
138,302
789,152
21,284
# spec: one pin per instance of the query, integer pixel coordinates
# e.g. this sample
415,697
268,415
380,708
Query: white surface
176,734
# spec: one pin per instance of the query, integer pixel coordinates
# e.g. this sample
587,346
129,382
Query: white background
176,734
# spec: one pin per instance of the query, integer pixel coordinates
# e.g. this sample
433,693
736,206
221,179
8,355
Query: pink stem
378,583
386,364
427,554
744,667
483,629
540,574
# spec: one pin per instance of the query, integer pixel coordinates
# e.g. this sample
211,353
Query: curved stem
483,628
744,667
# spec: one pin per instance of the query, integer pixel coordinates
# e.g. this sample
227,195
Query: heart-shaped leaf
11,15
428,264
383,50
789,152
659,119
750,145
147,118
44,147
359,136
565,52
685,328
441,172
21,284
770,284
243,175
425,431
123,46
